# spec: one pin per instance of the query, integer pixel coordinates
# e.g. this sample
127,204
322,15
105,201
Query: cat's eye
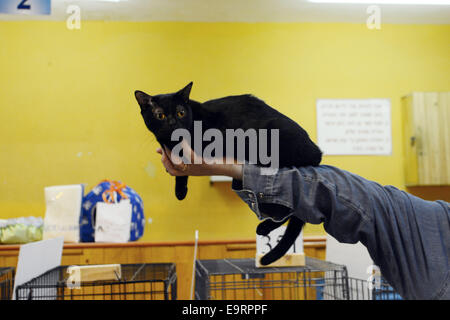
181,113
160,115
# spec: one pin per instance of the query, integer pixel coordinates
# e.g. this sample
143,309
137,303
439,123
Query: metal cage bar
240,279
138,282
229,279
6,283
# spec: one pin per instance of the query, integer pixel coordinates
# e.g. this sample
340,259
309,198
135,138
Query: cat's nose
172,121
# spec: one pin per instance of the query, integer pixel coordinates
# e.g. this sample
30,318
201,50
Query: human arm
407,237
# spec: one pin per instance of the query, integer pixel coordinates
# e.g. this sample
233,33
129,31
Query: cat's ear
185,92
144,100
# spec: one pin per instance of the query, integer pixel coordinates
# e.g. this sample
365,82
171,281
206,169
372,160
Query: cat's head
164,113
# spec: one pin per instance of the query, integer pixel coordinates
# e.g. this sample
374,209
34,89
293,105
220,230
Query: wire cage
239,279
6,283
156,281
377,289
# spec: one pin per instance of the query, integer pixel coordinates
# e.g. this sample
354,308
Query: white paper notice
354,126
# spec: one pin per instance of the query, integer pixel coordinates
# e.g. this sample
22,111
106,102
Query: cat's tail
292,231
265,227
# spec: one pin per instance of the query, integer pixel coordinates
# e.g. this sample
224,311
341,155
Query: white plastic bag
113,221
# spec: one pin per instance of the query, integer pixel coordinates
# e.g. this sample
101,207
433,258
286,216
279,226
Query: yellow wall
68,113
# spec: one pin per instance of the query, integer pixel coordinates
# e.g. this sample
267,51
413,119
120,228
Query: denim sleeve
407,237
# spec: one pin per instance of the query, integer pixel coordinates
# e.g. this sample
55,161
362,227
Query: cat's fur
233,112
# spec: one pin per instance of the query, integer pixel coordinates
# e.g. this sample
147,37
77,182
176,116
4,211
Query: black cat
164,113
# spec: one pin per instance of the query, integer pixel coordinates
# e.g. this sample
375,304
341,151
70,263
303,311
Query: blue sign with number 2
32,7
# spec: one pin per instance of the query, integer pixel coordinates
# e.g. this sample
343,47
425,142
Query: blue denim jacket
407,237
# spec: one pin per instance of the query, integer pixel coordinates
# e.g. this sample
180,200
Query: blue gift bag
111,191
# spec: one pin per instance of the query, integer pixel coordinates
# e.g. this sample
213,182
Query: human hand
197,166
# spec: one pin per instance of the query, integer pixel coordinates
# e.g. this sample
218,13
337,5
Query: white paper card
35,259
113,221
354,126
354,256
264,244
357,260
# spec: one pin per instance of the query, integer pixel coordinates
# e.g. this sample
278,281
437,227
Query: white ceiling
240,11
